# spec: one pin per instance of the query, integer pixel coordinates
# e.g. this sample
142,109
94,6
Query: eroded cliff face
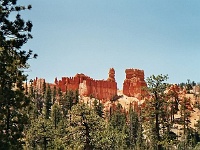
106,91
101,89
134,83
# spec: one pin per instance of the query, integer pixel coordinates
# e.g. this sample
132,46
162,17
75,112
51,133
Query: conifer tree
14,33
98,107
47,103
56,115
76,97
185,114
133,128
69,99
119,128
155,109
85,128
33,106
186,141
44,89
40,134
59,124
54,94
118,118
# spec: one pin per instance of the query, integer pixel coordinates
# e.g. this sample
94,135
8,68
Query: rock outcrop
88,87
101,89
134,83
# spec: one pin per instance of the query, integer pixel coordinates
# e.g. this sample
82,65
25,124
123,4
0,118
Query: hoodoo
134,83
104,90
100,89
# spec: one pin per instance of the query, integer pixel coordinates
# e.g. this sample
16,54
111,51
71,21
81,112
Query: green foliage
13,35
132,129
56,115
197,147
70,99
40,134
155,110
85,126
47,103
44,133
118,118
54,94
98,107
74,125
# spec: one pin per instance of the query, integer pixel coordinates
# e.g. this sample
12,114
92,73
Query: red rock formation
111,75
100,89
134,83
38,84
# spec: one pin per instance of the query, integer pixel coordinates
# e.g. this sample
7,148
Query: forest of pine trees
58,120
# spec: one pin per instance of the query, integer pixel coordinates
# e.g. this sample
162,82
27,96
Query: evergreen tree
14,33
70,99
60,94
140,143
155,110
44,89
133,128
56,115
40,134
76,97
47,103
45,133
98,107
185,114
59,124
54,94
33,106
118,118
85,129
119,128
187,138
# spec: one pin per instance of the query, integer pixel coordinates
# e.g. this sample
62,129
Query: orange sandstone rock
134,83
100,89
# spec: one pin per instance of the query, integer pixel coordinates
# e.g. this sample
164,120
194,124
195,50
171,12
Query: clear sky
91,36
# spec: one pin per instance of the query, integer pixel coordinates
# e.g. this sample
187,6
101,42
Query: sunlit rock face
88,87
134,83
100,89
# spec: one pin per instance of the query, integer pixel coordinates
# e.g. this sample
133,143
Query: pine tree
59,124
47,103
155,110
54,94
76,97
44,89
119,128
56,115
133,128
33,106
185,114
118,118
14,33
185,121
98,107
69,99
40,134
85,129
47,133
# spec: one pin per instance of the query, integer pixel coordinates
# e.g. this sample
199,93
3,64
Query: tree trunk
157,121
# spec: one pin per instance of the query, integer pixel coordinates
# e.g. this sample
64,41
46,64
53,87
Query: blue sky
91,36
